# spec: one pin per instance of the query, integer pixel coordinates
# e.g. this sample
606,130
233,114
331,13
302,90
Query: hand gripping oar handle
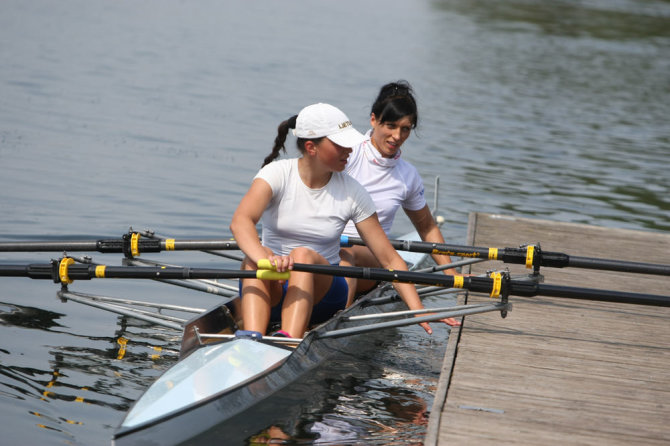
530,255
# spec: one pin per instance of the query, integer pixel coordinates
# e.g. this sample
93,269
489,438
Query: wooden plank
561,371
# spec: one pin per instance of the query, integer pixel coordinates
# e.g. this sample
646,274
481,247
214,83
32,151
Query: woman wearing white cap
391,181
304,204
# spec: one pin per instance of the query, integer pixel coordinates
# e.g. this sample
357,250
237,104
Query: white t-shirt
392,183
300,216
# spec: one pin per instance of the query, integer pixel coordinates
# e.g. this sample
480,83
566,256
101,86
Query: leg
258,296
358,256
304,291
348,258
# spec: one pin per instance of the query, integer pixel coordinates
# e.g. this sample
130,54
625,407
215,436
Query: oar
531,256
204,285
65,271
499,284
131,244
229,245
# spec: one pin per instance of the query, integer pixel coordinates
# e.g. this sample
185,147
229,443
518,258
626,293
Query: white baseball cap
319,120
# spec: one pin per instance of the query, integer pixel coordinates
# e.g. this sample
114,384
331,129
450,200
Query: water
158,114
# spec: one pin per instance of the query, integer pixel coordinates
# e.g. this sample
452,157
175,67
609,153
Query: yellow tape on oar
62,270
100,271
134,242
493,253
268,271
169,244
458,281
497,284
530,253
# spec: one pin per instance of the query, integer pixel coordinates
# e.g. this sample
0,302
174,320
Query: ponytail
282,132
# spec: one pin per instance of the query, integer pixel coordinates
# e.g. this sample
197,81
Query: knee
304,255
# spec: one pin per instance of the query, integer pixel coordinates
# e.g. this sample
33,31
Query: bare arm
375,238
425,225
245,218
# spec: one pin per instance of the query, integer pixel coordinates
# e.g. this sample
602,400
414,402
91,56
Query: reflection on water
27,317
391,415
84,376
374,393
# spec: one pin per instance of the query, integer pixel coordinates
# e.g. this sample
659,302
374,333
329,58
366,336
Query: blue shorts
334,301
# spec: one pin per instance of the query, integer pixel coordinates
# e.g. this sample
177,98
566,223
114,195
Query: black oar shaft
603,295
619,265
487,284
530,289
46,246
122,245
379,274
66,270
521,256
58,272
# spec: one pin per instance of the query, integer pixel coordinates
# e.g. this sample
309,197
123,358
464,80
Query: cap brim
349,137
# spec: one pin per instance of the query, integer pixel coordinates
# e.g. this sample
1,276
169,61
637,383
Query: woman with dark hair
391,181
303,205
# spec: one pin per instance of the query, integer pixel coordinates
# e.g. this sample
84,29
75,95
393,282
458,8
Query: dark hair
394,102
280,140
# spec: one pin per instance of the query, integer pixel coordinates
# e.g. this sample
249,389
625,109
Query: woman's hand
452,322
281,263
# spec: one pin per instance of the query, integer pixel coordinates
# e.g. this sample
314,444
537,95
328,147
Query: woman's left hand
452,322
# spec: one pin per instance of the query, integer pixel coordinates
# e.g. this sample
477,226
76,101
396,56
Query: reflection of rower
30,317
271,435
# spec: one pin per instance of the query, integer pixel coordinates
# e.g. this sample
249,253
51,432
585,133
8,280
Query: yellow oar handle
268,271
265,264
267,274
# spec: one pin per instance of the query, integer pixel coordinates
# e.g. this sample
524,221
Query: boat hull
193,419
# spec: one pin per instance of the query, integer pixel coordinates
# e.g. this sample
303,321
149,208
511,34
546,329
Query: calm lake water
157,114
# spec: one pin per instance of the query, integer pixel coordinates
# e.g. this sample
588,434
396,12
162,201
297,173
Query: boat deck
556,370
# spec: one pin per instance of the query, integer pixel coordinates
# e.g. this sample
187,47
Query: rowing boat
214,381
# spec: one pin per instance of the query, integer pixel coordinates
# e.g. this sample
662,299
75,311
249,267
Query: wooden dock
556,370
